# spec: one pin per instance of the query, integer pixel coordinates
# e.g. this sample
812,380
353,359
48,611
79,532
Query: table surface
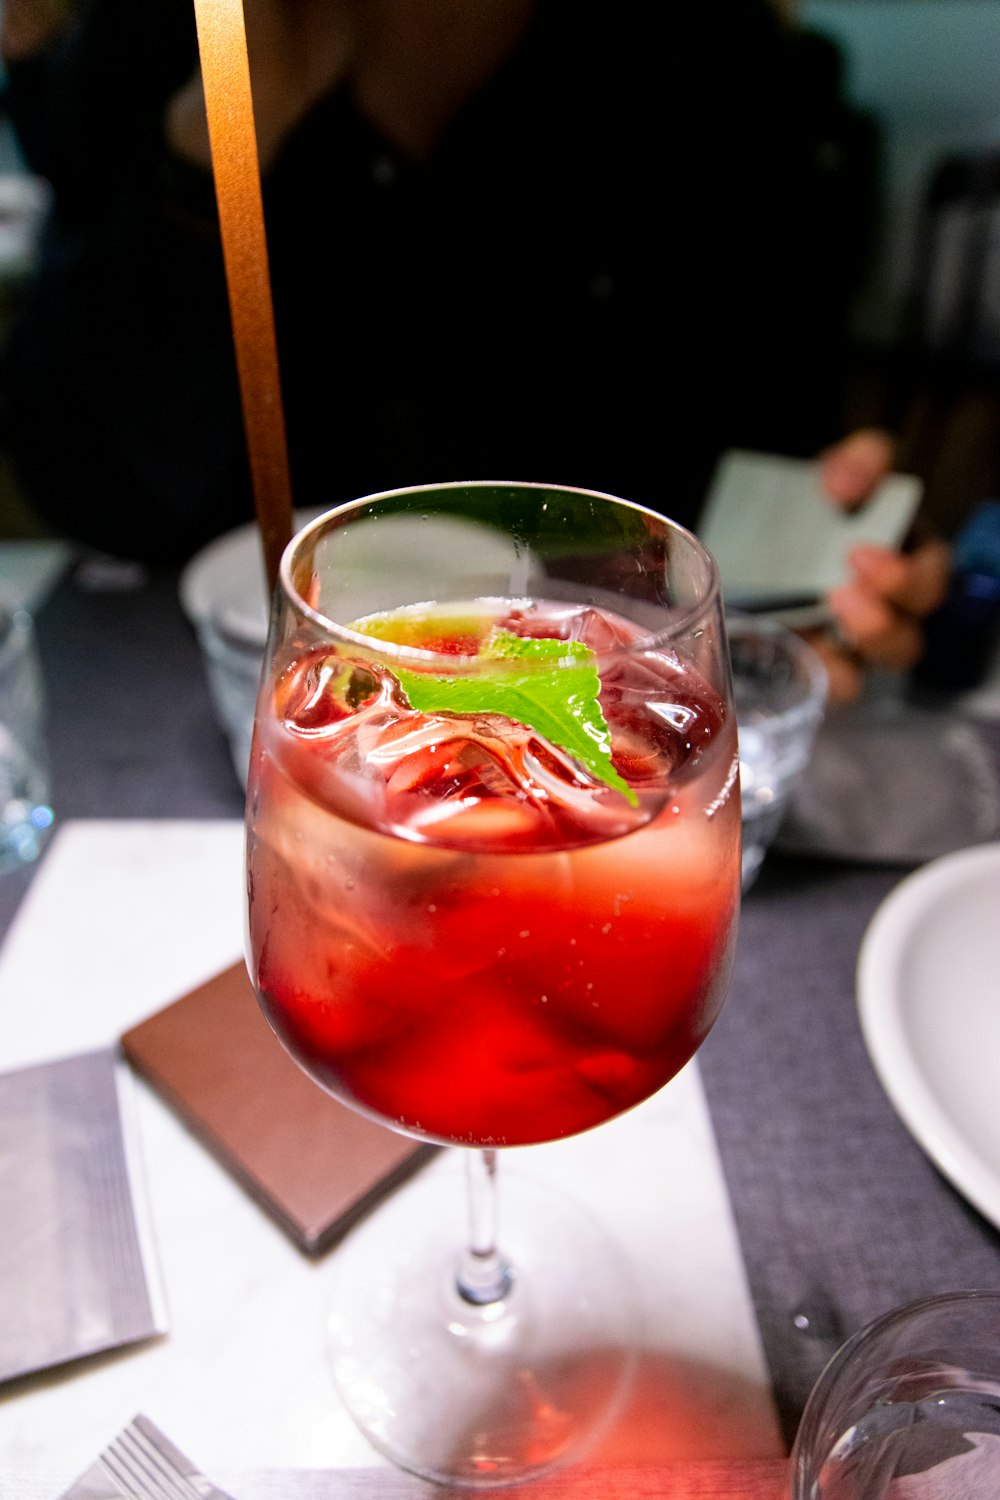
840,1214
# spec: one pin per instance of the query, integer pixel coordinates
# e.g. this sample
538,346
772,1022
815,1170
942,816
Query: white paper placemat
125,916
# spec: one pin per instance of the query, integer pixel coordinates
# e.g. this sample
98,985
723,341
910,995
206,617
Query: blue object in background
963,634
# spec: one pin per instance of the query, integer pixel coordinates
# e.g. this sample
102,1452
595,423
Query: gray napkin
892,782
76,1275
141,1464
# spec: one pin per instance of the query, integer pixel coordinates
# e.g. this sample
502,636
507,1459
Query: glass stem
483,1275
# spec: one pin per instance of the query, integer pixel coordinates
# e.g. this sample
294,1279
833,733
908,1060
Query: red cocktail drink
493,843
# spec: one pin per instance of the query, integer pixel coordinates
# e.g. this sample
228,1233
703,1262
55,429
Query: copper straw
225,69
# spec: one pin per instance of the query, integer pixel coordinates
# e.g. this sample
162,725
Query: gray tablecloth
841,1215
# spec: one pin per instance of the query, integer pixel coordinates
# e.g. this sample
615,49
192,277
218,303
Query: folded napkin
141,1464
76,1276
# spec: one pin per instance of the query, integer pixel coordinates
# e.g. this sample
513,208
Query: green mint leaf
557,701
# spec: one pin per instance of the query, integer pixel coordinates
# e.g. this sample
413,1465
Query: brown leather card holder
310,1161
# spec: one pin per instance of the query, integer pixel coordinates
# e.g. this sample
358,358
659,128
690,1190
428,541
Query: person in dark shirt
542,239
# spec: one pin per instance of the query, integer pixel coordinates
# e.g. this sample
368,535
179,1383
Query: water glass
909,1409
780,687
25,813
232,643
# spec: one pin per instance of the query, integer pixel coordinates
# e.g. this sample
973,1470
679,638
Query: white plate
929,1002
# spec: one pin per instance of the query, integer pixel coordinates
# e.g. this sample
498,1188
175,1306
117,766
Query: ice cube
324,689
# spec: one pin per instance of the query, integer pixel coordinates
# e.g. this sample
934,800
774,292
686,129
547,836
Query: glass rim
394,651
814,1411
16,631
805,654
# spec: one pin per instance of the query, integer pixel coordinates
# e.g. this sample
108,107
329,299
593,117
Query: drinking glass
493,881
780,688
909,1408
25,815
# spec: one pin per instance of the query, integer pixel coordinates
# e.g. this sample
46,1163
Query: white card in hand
775,537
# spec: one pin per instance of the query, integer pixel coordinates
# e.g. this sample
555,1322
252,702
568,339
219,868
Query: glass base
492,1395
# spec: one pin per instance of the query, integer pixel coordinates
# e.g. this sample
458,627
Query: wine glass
493,842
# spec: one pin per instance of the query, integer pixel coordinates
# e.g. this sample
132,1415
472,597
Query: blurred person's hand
878,609
28,26
851,471
410,64
298,51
